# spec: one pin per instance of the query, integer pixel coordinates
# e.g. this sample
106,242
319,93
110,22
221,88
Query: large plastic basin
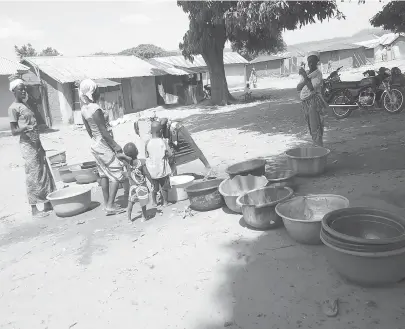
365,226
255,167
302,216
70,201
307,161
258,206
367,269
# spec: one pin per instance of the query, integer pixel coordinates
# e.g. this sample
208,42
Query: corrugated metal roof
181,62
71,69
266,58
169,68
106,83
8,67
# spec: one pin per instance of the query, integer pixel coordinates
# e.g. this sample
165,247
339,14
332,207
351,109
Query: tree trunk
214,57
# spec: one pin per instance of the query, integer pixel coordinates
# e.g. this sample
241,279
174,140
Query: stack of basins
365,245
246,192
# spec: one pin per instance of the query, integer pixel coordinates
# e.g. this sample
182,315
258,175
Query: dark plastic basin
205,196
365,226
255,167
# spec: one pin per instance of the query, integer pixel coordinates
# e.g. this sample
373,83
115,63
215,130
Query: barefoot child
136,175
157,152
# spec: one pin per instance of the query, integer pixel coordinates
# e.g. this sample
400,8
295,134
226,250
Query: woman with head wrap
105,150
39,178
313,104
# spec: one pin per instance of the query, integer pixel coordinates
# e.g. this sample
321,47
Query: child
157,152
136,175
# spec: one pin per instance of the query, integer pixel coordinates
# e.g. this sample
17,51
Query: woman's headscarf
16,82
86,90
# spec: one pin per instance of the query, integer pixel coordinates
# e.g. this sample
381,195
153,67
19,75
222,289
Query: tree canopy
147,51
29,51
252,27
391,17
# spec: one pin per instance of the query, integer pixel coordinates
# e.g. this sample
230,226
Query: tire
399,105
341,99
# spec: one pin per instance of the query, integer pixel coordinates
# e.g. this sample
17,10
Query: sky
82,28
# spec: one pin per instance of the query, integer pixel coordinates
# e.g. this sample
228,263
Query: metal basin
302,215
70,201
365,226
255,167
205,196
282,178
307,161
365,268
258,206
232,188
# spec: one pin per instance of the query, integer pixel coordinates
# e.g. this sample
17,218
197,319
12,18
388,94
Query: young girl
136,175
157,152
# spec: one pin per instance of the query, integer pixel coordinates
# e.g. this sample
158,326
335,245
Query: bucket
178,185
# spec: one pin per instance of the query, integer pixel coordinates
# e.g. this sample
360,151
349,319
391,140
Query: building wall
235,75
143,93
345,57
66,102
265,69
53,100
6,97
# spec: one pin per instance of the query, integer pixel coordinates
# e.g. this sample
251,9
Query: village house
127,84
337,53
393,42
234,64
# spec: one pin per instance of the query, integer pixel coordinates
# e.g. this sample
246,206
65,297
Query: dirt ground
209,270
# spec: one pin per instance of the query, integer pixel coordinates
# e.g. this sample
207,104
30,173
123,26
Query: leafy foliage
391,17
49,52
252,27
29,51
147,51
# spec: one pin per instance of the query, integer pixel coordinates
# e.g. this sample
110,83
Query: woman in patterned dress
39,178
313,104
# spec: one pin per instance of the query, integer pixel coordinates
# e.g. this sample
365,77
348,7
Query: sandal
40,215
114,211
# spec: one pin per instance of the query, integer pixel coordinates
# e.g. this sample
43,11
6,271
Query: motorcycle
384,89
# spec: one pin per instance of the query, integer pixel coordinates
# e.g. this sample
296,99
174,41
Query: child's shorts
139,193
163,182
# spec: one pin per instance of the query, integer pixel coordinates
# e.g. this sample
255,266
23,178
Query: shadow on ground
274,283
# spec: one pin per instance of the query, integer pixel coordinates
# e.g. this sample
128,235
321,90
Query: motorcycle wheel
341,112
398,101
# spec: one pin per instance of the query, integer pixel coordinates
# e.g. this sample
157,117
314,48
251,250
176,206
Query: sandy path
205,271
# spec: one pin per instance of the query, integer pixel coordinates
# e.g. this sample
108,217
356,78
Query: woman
183,146
39,178
313,103
104,149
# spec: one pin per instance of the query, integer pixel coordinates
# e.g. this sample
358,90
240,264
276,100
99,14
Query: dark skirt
313,108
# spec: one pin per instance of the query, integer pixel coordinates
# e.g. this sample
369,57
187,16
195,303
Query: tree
25,51
252,27
391,17
146,51
29,51
49,51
